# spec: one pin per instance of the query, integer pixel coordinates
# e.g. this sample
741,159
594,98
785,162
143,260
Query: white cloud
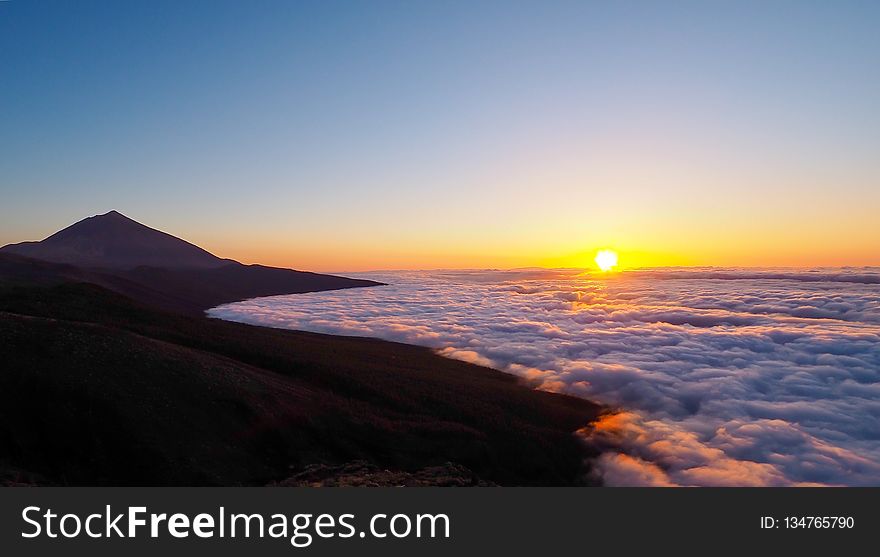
723,377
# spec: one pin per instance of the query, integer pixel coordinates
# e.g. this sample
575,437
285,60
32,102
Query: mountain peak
115,241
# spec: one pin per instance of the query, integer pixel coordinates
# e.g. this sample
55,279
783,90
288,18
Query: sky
343,136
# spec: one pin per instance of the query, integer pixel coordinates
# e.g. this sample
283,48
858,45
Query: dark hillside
188,291
96,389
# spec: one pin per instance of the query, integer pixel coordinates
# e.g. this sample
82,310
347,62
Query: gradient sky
363,135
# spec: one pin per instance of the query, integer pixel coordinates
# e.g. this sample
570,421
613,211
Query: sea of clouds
718,376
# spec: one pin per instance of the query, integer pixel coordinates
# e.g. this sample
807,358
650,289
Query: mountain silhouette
125,256
112,375
114,241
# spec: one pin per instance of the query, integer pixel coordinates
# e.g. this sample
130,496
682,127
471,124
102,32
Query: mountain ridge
151,266
115,241
116,377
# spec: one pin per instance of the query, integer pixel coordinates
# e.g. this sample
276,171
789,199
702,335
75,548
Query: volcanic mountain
110,374
121,254
114,241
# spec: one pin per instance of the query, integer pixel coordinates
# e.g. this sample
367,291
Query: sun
606,259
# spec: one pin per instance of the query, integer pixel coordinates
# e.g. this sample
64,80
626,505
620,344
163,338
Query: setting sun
606,259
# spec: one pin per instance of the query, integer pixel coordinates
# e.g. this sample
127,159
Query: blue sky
342,135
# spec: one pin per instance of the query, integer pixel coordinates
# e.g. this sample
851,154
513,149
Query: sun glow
606,259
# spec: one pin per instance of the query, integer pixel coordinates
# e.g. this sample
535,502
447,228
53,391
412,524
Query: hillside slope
96,389
188,291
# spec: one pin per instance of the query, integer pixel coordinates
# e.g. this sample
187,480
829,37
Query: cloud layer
722,377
